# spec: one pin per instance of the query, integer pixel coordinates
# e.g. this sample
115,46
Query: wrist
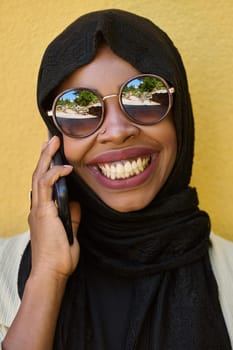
47,279
38,312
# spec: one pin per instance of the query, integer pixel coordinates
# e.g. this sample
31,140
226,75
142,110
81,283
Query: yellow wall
203,32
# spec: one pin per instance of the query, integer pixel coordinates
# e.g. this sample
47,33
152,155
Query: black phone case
60,196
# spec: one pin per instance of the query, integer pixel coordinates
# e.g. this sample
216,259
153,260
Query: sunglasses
145,99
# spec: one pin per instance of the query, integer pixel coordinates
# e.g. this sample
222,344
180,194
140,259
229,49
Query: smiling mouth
124,169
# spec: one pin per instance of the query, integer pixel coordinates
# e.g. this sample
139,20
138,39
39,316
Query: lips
124,169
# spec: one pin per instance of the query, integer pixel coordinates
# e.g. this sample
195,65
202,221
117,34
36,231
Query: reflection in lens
78,112
145,99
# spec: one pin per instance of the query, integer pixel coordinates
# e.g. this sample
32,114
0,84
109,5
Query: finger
75,212
46,182
44,145
48,152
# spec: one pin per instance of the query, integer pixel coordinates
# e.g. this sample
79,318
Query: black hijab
144,280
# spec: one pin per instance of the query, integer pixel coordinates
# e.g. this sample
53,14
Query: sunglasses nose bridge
116,121
109,96
104,98
120,103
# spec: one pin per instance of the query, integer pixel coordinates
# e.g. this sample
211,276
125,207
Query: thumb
75,212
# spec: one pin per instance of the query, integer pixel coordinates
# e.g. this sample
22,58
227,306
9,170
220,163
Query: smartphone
61,198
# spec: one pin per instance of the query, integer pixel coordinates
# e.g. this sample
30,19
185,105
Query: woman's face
137,159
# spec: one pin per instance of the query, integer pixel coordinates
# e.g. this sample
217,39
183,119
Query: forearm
53,260
35,323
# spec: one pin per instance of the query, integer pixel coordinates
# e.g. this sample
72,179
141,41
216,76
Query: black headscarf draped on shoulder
144,279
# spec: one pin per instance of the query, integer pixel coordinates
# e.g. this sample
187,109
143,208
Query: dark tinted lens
78,112
145,99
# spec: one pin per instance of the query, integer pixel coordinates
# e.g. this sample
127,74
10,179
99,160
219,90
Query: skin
106,73
53,259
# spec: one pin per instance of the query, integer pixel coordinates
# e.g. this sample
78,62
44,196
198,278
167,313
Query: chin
125,206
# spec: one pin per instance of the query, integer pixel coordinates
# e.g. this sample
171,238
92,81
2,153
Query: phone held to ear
60,196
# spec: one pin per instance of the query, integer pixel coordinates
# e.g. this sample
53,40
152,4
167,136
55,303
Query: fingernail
67,166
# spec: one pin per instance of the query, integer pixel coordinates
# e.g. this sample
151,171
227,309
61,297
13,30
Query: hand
51,252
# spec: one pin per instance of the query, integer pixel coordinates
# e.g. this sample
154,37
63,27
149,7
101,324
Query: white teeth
112,172
124,169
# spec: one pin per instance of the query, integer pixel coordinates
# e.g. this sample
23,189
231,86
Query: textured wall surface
203,32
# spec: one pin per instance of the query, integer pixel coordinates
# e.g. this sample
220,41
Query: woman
112,87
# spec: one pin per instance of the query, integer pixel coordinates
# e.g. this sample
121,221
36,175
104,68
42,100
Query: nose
117,127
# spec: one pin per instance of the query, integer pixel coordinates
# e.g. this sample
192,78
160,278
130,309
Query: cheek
172,151
68,150
165,134
170,143
74,150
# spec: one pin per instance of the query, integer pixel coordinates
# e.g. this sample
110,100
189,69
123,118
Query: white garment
11,250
